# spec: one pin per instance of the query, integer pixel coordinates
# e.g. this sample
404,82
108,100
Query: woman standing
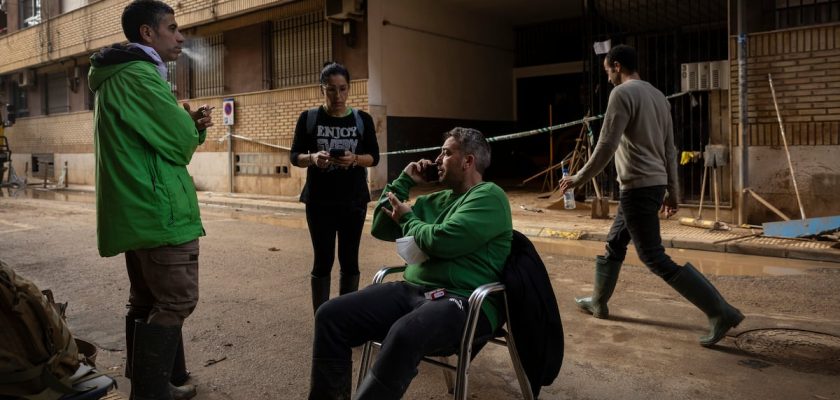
335,143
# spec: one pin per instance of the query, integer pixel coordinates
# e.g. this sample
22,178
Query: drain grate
801,350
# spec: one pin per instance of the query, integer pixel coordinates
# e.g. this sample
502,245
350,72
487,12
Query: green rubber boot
606,276
694,286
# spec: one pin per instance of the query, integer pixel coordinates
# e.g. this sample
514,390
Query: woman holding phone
335,143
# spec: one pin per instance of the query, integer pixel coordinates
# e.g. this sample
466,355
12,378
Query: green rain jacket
143,141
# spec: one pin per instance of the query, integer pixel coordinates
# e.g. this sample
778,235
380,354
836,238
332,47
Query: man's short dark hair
143,12
624,55
472,141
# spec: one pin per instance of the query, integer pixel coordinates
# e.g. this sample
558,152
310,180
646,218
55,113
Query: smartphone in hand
430,173
336,153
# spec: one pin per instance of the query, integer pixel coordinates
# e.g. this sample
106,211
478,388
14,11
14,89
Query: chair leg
364,364
448,375
524,384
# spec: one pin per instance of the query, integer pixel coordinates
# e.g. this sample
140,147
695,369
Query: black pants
638,219
325,221
399,316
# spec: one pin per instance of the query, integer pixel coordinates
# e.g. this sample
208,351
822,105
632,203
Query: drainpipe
743,156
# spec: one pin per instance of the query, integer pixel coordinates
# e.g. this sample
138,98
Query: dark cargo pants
164,283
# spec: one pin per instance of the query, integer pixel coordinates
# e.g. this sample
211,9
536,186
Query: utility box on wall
706,75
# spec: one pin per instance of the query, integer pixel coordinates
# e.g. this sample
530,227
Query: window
57,96
793,13
30,13
19,101
4,21
301,45
207,60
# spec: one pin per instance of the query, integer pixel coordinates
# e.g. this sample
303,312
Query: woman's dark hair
624,55
143,12
333,68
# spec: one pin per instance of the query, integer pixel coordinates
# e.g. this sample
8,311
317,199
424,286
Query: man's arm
615,122
673,198
383,227
474,223
146,102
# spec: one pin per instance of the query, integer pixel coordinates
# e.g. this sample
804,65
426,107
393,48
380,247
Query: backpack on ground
38,355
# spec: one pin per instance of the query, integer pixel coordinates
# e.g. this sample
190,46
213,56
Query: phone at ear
430,173
335,153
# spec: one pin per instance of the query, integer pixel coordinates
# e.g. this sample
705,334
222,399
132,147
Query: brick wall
96,25
267,116
804,66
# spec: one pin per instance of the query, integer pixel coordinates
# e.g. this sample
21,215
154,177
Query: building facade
421,67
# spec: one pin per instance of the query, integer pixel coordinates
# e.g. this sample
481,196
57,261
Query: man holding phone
466,232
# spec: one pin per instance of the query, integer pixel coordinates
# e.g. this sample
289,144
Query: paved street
255,318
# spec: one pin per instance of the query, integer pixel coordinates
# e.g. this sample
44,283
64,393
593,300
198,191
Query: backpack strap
360,125
311,119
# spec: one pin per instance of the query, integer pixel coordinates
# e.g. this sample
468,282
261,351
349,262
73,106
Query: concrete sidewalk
551,224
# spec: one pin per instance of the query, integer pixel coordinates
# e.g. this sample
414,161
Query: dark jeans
399,316
638,219
164,283
325,221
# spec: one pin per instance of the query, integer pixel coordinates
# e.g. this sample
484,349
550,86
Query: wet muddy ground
255,316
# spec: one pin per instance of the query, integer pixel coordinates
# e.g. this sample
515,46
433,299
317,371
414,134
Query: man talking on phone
464,232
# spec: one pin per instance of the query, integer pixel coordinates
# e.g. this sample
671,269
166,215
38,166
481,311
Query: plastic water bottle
569,196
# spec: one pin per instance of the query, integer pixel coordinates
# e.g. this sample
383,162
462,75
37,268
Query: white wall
436,60
81,168
210,171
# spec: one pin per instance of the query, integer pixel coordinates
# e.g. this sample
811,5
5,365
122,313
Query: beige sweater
638,130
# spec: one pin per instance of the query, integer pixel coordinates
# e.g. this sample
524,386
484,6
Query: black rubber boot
694,286
180,373
606,276
348,284
330,380
153,355
129,343
320,291
373,389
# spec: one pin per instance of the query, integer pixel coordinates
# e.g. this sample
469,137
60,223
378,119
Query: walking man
638,130
146,205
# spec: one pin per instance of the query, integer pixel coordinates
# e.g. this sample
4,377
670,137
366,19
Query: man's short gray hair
472,141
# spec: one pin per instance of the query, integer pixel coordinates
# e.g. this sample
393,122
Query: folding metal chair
468,341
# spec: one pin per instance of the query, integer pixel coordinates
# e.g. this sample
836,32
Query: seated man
466,232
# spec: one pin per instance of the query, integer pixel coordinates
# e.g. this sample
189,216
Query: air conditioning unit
688,77
339,11
719,75
26,78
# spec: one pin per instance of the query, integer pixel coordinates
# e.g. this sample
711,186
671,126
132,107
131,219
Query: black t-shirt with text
334,185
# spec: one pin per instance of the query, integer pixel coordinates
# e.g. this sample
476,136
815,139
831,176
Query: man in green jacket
465,231
146,205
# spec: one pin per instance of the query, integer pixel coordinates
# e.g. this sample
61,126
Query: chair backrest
533,312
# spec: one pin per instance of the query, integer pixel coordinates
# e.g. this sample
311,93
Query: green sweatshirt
143,141
467,237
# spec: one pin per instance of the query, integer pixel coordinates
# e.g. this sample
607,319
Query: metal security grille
793,13
57,99
301,46
666,34
208,62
